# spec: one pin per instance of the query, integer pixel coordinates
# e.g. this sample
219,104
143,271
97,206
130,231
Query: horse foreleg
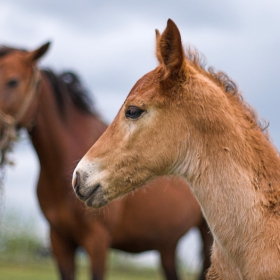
168,262
207,243
97,245
64,253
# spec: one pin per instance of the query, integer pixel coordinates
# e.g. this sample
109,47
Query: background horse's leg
207,243
64,252
97,243
168,261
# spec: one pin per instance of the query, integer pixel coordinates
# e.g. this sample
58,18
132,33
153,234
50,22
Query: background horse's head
19,80
162,117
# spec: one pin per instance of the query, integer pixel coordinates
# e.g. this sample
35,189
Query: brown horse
184,120
62,125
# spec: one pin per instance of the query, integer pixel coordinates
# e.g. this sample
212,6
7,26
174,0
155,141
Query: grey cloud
89,15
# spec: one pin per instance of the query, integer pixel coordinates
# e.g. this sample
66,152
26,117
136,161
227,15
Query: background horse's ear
171,49
36,54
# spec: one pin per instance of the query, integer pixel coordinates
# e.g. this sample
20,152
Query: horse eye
12,83
133,112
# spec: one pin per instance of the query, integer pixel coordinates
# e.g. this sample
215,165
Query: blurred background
110,45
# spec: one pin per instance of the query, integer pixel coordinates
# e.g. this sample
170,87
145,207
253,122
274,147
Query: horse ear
36,54
171,50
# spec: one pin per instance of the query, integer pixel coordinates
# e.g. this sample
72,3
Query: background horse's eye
12,83
133,112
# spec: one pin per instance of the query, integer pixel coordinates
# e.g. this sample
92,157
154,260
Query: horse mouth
97,198
94,190
89,195
93,196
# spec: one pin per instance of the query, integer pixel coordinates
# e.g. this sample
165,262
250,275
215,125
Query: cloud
86,14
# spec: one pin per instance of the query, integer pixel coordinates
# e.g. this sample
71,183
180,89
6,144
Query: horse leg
207,242
98,265
168,262
64,253
97,246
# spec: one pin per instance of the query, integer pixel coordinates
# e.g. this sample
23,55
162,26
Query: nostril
76,181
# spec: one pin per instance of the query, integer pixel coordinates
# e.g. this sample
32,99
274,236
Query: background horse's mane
223,81
67,83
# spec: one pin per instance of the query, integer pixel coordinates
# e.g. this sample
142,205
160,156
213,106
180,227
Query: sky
111,44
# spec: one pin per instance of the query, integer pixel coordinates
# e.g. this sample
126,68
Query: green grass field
23,256
46,270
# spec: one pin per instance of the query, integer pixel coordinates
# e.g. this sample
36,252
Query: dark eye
12,83
133,112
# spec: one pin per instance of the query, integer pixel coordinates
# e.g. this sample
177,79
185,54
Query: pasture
25,255
45,269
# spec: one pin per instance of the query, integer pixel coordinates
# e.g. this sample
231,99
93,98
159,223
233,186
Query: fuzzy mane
228,86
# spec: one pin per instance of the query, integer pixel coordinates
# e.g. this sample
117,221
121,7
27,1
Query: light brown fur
195,124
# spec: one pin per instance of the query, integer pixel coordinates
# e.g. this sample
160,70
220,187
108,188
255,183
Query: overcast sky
111,44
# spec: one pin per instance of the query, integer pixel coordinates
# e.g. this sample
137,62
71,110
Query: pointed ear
171,49
36,54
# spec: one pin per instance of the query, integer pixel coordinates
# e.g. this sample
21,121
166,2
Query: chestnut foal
183,120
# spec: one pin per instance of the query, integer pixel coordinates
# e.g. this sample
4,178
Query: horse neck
61,141
231,182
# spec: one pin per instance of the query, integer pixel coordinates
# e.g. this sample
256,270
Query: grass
28,271
46,270
23,257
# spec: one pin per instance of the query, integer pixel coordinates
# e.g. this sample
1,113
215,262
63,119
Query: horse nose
76,181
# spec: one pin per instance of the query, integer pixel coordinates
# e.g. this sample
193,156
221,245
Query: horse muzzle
91,195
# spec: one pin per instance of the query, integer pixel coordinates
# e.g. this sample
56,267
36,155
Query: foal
183,120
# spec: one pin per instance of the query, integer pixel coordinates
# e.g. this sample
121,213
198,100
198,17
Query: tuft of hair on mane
220,78
226,83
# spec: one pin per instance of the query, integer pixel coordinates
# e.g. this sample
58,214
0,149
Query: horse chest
60,218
